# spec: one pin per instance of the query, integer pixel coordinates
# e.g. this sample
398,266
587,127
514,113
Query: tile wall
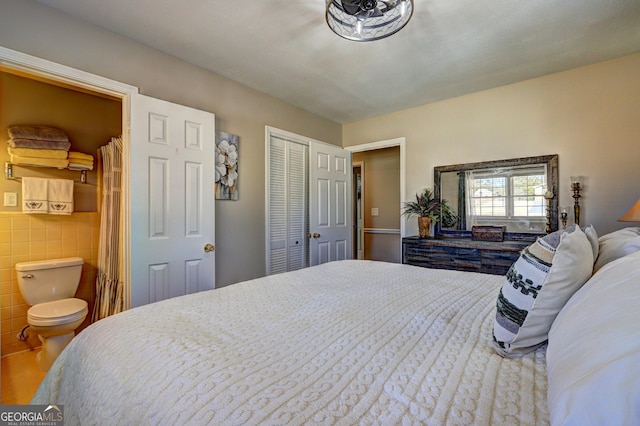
26,237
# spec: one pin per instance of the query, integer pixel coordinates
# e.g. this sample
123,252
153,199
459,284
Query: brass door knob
208,248
316,235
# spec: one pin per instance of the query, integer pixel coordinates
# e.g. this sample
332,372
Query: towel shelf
8,172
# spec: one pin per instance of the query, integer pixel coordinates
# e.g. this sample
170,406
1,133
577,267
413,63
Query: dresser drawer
496,262
464,259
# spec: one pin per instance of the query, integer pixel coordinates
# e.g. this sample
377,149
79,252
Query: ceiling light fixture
368,20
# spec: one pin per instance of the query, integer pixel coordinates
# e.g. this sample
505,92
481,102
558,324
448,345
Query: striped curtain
109,286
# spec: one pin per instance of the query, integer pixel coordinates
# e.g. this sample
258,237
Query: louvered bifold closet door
287,205
297,206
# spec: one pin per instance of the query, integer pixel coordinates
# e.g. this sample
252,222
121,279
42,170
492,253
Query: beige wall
38,30
589,116
381,182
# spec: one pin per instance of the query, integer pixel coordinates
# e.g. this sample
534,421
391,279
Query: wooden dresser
462,254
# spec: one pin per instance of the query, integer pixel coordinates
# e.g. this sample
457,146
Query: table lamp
633,215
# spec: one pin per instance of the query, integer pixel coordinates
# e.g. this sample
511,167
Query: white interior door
330,205
172,217
286,205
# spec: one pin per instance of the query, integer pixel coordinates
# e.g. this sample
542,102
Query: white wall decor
226,166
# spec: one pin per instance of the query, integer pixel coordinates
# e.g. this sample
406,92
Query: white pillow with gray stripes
539,283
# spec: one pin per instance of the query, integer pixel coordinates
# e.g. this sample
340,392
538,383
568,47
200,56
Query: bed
347,342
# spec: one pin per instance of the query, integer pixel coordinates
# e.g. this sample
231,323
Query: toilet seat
57,312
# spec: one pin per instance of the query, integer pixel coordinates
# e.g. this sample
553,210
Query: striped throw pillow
537,286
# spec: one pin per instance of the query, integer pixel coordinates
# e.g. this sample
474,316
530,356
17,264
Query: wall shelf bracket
8,173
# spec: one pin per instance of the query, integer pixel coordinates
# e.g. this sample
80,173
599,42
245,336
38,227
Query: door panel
329,203
323,204
193,190
297,206
172,217
158,189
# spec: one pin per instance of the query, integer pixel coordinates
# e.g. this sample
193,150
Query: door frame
64,75
388,143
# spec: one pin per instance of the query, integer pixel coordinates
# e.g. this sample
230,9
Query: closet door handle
208,248
316,235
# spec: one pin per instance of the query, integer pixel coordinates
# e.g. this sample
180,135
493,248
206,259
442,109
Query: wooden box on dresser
462,254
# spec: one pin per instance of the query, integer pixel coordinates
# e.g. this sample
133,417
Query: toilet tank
49,280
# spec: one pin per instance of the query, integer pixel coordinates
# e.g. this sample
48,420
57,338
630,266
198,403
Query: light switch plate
374,211
10,199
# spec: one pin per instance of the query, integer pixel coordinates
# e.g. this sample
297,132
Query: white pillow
592,236
593,358
617,244
538,284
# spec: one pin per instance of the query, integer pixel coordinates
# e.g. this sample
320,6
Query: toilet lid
57,312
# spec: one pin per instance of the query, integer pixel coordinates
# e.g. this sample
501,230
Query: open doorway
378,204
89,119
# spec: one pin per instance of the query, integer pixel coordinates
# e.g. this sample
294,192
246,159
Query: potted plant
429,210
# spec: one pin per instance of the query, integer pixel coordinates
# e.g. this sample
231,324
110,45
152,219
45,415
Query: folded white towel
60,196
35,195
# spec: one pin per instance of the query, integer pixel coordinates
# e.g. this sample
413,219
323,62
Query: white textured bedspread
349,342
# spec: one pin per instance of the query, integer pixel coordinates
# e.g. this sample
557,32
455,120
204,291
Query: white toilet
48,286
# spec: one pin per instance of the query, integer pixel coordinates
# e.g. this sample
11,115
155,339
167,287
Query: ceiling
449,48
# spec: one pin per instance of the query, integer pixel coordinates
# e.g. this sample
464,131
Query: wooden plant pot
424,227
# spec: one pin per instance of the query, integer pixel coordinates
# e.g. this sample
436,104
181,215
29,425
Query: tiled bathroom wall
25,237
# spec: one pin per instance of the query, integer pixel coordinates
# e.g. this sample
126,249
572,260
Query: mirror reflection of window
513,196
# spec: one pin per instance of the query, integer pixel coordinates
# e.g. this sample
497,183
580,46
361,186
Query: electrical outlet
374,211
10,199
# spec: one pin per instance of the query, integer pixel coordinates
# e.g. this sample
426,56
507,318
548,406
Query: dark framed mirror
514,193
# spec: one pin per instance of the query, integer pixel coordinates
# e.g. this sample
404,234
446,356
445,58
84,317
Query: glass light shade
367,20
633,215
576,182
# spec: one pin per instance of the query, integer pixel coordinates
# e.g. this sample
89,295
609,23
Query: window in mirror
509,195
